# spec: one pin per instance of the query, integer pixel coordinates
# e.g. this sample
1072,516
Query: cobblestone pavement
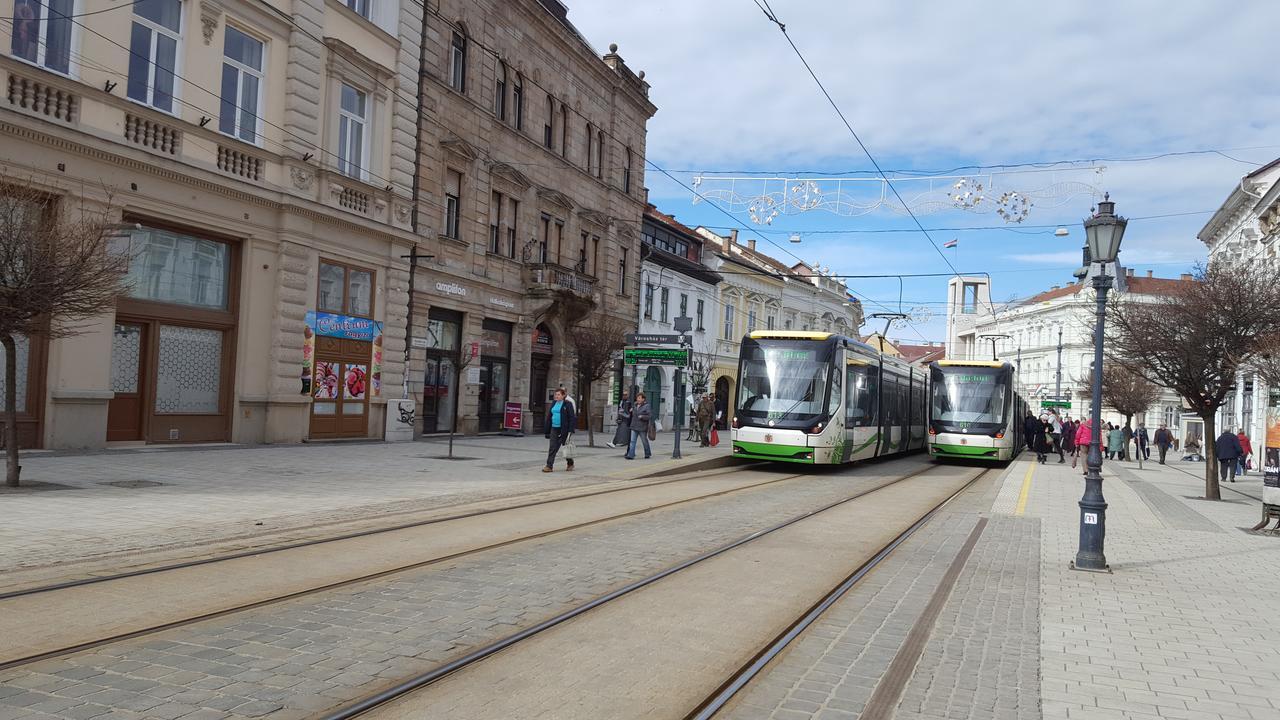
293,659
982,659
170,499
1184,626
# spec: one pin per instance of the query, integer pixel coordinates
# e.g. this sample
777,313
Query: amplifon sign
343,326
451,289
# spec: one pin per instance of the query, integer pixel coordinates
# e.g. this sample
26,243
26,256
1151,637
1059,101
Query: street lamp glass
1104,231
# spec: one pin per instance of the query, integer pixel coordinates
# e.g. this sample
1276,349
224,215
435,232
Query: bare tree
56,272
1124,389
597,338
1194,339
700,364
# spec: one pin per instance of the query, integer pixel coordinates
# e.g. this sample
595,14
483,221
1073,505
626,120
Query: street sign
1064,404
656,356
643,339
511,414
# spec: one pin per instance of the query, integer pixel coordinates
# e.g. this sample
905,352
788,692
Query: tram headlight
815,429
736,423
933,431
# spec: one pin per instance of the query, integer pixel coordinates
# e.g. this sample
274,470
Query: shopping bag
715,437
657,425
569,449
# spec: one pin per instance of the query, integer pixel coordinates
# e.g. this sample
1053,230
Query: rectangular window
970,299
513,217
622,273
751,320
599,153
188,371
626,175
42,33
500,93
359,7
701,308
241,85
768,322
458,63
662,305
728,322
564,130
345,290
589,147
684,305
595,256
169,267
496,201
559,242
153,52
23,346
648,301
452,202
351,137
546,239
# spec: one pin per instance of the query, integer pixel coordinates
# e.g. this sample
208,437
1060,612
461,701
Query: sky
932,86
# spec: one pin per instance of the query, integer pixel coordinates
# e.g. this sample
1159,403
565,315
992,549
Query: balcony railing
549,276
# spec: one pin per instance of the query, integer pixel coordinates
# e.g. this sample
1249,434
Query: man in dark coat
1030,426
1163,440
1227,449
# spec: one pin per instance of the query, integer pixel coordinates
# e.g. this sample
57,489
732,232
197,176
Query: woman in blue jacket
560,422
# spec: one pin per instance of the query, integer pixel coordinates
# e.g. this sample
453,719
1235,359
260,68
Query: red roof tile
1155,285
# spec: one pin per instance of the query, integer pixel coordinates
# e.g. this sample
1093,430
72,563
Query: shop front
173,340
439,398
495,373
342,352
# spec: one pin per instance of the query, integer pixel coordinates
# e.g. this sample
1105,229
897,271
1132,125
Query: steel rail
422,680
723,694
99,642
94,580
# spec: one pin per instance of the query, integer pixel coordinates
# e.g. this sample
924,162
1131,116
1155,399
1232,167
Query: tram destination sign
1064,404
655,356
651,339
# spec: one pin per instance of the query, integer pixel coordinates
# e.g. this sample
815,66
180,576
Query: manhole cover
131,483
32,486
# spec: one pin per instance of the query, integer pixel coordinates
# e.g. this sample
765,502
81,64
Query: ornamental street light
993,339
1104,231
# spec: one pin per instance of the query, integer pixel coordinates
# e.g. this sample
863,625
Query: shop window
189,370
345,290
42,33
153,52
173,268
241,85
23,354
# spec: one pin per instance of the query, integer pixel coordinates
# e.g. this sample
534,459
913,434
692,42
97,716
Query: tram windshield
783,383
974,396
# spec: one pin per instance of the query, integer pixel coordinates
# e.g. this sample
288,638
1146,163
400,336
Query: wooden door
128,375
340,390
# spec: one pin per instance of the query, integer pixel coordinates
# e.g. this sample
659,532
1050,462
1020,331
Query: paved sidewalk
83,506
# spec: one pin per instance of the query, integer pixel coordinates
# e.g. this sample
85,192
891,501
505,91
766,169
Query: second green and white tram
976,411
821,398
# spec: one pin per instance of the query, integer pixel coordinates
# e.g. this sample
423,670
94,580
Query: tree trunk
1209,447
586,402
12,469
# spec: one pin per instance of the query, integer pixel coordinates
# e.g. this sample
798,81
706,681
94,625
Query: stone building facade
264,159
531,174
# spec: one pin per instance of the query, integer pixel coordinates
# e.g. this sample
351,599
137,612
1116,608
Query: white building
673,283
1035,328
1244,230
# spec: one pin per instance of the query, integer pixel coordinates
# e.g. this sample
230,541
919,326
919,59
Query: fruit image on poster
356,382
327,381
308,356
375,369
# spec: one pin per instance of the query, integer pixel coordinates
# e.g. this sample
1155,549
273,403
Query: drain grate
131,483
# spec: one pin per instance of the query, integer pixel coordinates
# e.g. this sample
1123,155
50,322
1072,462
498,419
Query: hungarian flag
950,243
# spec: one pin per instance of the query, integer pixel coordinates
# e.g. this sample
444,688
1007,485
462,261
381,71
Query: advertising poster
375,369
1271,457
326,383
308,356
355,382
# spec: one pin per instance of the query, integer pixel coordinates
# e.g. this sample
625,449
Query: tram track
408,687
44,595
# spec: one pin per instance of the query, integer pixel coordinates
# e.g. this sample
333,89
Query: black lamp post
1104,231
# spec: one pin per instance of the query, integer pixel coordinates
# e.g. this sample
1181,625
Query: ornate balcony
549,279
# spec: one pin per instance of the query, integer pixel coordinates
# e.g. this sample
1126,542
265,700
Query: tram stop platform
169,503
1183,627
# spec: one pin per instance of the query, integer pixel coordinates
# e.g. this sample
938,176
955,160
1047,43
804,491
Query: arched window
517,102
626,178
564,130
500,92
600,153
549,127
589,147
458,62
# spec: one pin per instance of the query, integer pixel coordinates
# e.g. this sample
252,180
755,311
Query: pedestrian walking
1029,427
1143,441
1043,440
1069,440
561,419
641,427
623,432
1164,440
1115,442
706,414
1126,433
1246,449
1055,433
1084,438
1227,449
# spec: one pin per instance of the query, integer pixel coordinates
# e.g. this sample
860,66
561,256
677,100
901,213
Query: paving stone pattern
291,660
225,494
1170,510
831,671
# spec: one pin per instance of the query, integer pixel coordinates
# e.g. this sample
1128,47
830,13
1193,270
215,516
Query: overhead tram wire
700,196
783,28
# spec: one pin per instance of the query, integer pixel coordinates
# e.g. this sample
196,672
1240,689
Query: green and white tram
820,398
976,411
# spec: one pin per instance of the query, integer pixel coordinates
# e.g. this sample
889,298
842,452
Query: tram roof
970,363
789,335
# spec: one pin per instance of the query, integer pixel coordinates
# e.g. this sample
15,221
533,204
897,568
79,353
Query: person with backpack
641,427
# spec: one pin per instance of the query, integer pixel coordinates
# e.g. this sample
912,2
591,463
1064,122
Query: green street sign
656,356
1064,404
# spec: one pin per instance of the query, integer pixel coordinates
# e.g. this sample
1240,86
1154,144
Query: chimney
1185,276
1128,272
751,243
733,236
1150,273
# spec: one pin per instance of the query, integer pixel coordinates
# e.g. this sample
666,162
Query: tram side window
861,405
